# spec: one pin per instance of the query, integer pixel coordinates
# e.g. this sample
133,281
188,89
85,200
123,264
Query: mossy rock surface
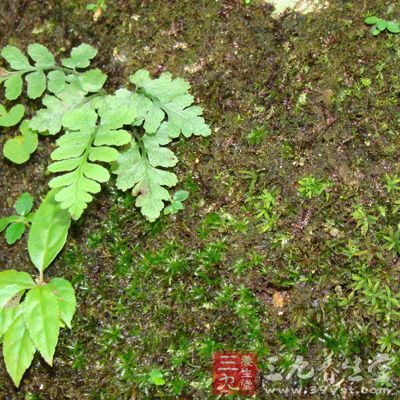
298,96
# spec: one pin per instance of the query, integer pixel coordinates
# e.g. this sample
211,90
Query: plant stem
41,279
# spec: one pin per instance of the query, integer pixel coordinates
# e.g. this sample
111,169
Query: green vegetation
15,225
310,187
165,295
93,124
379,25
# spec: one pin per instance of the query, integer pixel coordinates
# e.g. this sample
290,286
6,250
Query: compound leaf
75,149
50,119
170,96
135,171
41,55
48,232
18,349
42,319
65,294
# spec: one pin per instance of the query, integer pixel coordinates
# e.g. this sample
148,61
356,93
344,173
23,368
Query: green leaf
184,119
93,80
36,84
13,283
381,24
157,155
19,149
13,87
24,204
393,27
15,58
375,31
156,377
48,232
80,56
7,316
41,55
5,221
18,349
181,195
170,96
12,277
14,232
42,319
8,293
75,149
135,171
82,118
65,294
57,107
123,109
372,20
56,81
11,117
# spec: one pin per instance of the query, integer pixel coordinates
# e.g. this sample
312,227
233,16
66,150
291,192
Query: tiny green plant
15,225
379,25
176,203
392,183
99,4
310,186
126,131
97,8
156,377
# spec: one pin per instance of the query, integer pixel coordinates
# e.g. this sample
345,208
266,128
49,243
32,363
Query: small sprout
256,136
379,25
310,187
392,183
16,224
97,8
156,377
176,202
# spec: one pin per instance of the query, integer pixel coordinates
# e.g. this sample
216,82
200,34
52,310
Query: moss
286,98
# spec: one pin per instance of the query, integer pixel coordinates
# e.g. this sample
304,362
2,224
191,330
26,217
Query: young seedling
176,202
17,223
379,25
97,8
310,187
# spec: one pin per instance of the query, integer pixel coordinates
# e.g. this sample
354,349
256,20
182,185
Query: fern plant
98,133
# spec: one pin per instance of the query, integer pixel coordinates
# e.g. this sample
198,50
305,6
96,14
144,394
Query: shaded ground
312,95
